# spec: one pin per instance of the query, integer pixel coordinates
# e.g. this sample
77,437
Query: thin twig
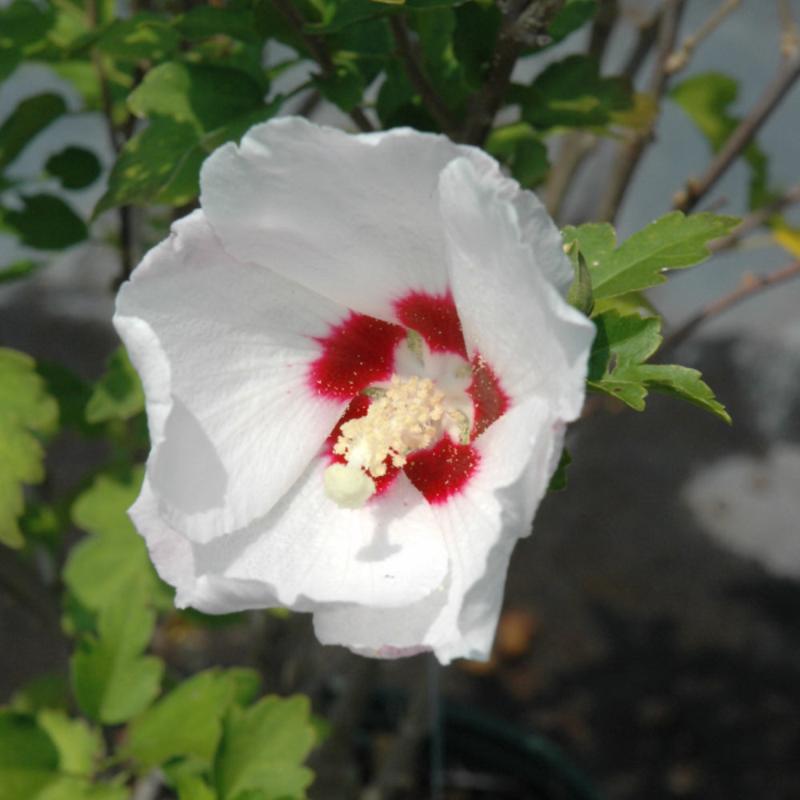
434,104
750,286
632,152
575,147
320,53
790,33
521,23
646,38
681,57
696,189
755,220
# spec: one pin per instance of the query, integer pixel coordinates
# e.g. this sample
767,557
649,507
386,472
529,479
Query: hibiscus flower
358,364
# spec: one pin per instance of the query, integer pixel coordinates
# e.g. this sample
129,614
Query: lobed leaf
26,412
112,680
263,748
674,241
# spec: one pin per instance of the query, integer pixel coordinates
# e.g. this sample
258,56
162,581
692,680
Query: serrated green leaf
80,747
580,294
186,722
75,167
674,241
114,558
28,757
617,365
46,222
263,748
112,681
118,394
70,788
26,413
571,93
707,99
28,119
685,383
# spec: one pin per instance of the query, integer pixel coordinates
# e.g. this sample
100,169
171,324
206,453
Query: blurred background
650,643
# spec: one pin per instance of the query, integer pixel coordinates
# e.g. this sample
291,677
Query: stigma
407,415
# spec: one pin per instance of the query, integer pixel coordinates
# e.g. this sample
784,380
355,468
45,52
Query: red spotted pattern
435,318
442,470
360,352
356,353
488,398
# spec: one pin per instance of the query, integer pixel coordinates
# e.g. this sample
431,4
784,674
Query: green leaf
207,97
75,167
617,365
685,383
186,722
161,164
559,480
143,36
580,292
46,222
573,15
345,86
264,747
203,22
26,413
28,757
18,270
44,691
70,392
29,118
519,147
674,241
114,558
572,94
118,394
707,99
112,680
80,747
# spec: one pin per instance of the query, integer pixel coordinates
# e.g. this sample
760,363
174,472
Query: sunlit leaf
118,394
187,721
674,241
617,365
263,748
112,680
26,413
707,99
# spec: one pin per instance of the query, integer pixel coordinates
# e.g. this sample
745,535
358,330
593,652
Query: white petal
510,312
308,552
352,217
480,527
224,352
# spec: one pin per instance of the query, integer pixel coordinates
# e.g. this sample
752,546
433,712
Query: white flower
358,364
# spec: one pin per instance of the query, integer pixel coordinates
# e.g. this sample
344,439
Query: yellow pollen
406,417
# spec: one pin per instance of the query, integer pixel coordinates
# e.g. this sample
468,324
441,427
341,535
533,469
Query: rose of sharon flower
358,365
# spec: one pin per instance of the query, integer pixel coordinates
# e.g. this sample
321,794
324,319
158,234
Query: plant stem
433,103
750,286
755,220
632,152
319,51
520,23
696,189
681,57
